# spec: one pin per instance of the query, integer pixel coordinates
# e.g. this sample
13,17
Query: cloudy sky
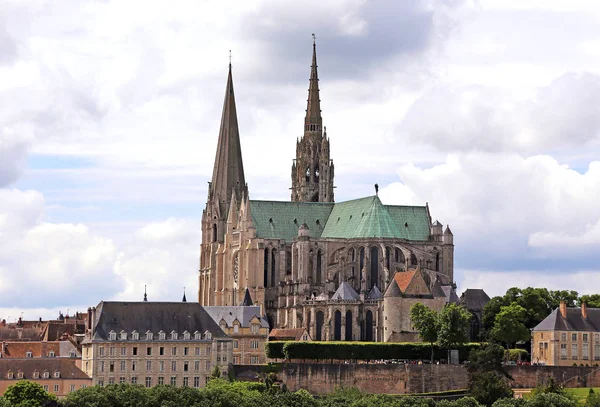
488,110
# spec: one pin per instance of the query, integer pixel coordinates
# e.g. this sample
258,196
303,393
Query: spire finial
376,189
230,58
184,299
145,295
314,39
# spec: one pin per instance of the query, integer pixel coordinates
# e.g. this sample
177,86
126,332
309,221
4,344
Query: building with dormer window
179,359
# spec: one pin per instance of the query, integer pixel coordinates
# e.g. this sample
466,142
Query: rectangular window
122,366
573,337
173,380
236,360
134,353
121,379
148,365
46,386
148,381
101,351
235,344
149,351
563,350
133,366
123,351
133,380
208,351
111,380
111,351
101,367
100,383
254,344
197,351
585,337
574,351
597,352
236,329
254,328
72,387
196,381
254,360
185,382
56,388
174,351
161,351
111,367
185,366
585,351
596,337
161,365
161,380
186,351
173,366
208,365
197,366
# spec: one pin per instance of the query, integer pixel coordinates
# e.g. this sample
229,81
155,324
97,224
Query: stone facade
293,256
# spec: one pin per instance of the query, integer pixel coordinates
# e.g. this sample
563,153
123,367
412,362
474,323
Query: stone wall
533,376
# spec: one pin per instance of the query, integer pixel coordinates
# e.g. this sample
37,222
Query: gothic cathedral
344,271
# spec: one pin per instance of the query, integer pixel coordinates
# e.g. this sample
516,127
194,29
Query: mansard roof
243,314
573,322
153,317
359,218
345,292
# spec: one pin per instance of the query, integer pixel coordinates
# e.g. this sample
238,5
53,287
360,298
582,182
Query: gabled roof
243,314
345,292
393,290
65,367
403,278
573,322
450,294
153,316
375,293
247,301
290,334
474,299
358,218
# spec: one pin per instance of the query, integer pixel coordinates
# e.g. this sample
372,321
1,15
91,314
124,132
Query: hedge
274,350
363,350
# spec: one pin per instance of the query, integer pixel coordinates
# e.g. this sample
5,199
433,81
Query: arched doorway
369,327
348,336
320,318
337,327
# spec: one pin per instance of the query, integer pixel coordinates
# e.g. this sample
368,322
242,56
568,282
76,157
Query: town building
246,327
295,256
150,343
55,375
567,337
474,300
289,334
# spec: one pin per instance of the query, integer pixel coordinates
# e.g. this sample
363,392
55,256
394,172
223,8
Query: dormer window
162,336
112,336
197,335
174,335
223,324
36,375
10,375
45,375
19,375
149,336
207,335
28,354
254,328
123,335
72,354
50,354
135,336
56,374
236,327
186,335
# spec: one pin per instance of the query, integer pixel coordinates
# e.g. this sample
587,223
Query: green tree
216,373
510,403
28,394
593,399
592,301
551,400
488,358
568,296
509,325
488,387
425,321
453,322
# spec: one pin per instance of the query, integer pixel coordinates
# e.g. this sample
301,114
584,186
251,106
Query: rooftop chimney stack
563,309
584,310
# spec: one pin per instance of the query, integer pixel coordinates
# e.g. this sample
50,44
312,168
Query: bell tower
312,170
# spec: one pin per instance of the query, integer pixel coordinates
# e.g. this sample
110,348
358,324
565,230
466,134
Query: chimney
563,309
89,318
584,310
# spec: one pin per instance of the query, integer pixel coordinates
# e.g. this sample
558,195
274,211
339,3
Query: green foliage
592,301
551,386
487,358
510,403
216,373
114,395
369,350
464,402
517,354
593,399
488,387
27,394
425,321
551,400
274,350
509,326
3,402
453,322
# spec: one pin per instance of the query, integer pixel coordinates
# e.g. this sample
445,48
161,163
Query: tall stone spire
228,172
312,170
313,108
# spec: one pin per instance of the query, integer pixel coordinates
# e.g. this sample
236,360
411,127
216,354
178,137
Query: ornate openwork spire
313,120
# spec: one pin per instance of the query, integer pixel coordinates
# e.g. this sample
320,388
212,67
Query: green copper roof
281,220
359,218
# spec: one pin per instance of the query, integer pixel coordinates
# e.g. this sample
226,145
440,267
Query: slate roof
450,294
345,292
247,301
375,293
242,313
65,367
573,322
474,299
153,317
38,349
358,218
393,290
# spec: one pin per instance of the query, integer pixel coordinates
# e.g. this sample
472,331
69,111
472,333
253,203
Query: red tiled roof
65,367
37,349
294,334
404,278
